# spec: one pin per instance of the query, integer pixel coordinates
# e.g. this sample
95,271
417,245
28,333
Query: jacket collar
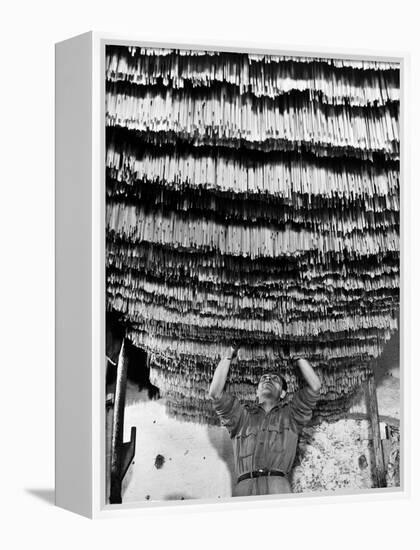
256,407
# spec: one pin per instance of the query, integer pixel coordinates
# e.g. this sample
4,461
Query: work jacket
265,440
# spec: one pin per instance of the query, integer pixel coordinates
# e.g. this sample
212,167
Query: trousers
265,485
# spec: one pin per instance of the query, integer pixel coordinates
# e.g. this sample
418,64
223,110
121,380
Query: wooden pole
118,427
379,473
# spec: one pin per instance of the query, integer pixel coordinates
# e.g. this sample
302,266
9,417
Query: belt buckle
261,471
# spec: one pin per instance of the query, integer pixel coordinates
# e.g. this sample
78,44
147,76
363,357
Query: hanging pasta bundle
252,199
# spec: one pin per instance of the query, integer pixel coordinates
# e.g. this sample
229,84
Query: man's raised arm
304,401
221,373
308,374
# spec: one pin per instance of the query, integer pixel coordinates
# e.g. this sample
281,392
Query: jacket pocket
247,441
281,436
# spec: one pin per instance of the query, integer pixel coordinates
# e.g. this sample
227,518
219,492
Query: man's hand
286,350
308,373
232,353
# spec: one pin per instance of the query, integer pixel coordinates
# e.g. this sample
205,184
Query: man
264,435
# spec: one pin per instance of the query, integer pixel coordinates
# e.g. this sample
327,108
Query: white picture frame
80,279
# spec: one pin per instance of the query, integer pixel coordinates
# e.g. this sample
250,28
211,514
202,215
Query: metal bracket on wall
379,472
122,454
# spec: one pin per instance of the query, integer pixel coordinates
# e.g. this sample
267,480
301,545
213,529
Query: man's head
271,387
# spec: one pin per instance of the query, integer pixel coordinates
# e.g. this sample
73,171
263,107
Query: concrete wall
334,456
195,461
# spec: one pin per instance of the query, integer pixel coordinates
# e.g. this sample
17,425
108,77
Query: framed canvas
229,301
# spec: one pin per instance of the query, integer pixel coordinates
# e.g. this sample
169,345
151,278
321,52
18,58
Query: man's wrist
232,353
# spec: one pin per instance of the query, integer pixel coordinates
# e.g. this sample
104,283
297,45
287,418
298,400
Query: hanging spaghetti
253,199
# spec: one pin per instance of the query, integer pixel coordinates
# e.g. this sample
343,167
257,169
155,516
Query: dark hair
283,384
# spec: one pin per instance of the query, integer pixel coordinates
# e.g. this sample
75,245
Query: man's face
270,387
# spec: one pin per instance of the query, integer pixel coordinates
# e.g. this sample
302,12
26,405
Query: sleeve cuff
312,392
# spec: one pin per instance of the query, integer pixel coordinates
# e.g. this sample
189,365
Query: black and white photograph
252,290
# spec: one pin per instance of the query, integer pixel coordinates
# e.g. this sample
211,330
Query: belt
261,472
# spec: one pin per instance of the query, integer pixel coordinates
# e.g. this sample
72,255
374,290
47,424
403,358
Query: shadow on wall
388,363
220,440
46,495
